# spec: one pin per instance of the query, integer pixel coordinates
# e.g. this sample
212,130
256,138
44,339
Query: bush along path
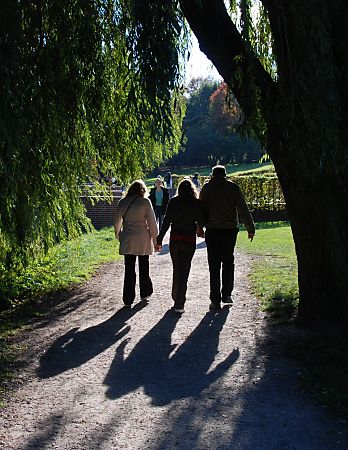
97,376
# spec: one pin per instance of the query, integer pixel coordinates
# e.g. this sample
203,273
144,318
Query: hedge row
261,192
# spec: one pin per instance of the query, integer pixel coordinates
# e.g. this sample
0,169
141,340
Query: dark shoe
227,299
214,306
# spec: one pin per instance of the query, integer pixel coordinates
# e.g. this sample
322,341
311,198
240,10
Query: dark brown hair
187,188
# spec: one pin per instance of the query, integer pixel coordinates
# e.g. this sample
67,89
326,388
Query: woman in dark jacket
159,197
183,213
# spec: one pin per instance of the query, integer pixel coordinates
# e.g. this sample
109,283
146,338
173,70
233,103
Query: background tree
208,128
225,112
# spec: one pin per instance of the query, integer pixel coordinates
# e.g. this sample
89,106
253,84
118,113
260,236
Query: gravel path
100,377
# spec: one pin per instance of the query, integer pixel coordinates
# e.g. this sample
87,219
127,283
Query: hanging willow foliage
72,102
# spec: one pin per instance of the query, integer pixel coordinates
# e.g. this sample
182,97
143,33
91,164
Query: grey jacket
223,202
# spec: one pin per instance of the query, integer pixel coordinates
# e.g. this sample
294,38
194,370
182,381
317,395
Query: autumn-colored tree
206,141
225,112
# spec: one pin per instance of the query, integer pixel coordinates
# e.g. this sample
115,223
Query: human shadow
168,372
46,433
260,407
75,348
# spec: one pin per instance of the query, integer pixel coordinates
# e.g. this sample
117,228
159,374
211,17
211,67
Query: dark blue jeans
130,277
220,248
159,216
181,253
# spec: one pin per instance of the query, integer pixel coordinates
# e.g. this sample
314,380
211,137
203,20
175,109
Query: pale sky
199,64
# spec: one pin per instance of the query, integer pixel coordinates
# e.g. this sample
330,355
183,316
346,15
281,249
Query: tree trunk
318,214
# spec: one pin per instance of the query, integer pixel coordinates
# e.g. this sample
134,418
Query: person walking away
223,202
196,182
137,238
184,212
159,197
168,180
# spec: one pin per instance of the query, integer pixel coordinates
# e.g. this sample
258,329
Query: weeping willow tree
88,83
287,65
72,102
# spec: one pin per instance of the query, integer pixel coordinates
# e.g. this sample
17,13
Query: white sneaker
145,299
177,310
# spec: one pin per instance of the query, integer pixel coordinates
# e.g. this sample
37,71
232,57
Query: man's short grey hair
219,171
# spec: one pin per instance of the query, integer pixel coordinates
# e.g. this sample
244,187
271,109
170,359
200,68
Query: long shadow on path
167,372
75,347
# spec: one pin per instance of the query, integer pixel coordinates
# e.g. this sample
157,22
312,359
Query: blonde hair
138,187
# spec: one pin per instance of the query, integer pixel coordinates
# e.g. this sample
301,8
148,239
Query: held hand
251,236
158,247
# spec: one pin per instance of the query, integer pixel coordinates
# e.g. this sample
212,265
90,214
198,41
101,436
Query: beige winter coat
139,230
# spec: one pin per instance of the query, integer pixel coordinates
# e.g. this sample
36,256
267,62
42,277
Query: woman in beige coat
137,238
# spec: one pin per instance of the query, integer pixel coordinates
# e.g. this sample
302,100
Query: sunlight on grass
66,263
274,273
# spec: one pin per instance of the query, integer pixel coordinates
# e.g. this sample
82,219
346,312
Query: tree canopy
73,103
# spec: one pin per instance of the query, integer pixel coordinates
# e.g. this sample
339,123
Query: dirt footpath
101,377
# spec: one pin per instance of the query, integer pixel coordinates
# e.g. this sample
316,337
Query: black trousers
130,277
181,253
220,248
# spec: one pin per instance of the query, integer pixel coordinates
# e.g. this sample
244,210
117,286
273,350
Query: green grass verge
274,273
65,265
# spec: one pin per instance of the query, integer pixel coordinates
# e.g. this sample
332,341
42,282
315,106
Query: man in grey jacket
223,202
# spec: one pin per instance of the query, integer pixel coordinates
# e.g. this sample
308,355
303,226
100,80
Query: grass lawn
274,273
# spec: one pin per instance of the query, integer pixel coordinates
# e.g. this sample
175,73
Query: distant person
168,180
196,182
183,214
223,202
159,197
135,227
